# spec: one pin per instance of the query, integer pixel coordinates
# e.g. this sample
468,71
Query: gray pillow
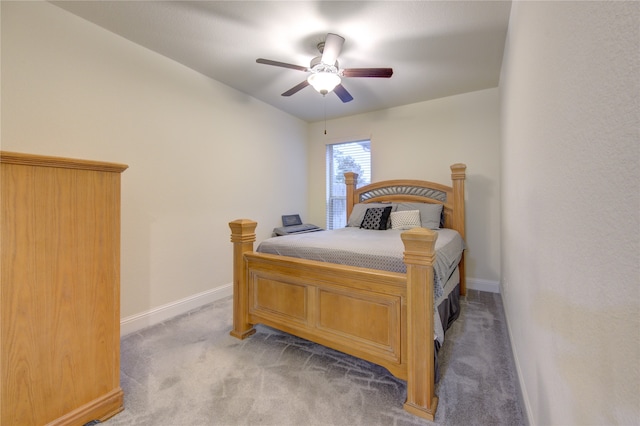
359,210
430,214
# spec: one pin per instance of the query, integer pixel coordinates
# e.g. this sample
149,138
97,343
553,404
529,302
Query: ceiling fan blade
281,64
332,47
368,72
342,93
296,88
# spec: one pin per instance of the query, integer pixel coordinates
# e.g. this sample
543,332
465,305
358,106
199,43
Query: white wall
571,202
421,141
200,153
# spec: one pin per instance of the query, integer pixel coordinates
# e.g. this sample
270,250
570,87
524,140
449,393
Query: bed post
351,180
242,236
419,256
458,176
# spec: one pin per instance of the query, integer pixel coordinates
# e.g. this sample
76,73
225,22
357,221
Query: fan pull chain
325,113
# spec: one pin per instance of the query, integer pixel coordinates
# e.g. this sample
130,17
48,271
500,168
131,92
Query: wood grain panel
278,297
59,292
366,316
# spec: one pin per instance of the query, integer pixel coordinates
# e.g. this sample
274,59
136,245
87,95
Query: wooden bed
382,317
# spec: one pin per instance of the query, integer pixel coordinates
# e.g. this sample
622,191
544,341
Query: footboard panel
282,301
354,310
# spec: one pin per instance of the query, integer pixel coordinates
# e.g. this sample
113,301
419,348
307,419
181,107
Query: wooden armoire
59,290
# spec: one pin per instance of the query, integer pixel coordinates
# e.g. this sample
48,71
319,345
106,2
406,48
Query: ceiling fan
326,75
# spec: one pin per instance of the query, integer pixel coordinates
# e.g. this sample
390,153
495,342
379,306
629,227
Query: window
345,157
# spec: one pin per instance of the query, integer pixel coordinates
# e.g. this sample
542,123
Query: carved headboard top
402,190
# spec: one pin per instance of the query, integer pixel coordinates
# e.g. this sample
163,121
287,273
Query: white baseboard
483,285
162,313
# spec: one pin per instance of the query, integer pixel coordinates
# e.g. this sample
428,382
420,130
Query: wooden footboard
383,317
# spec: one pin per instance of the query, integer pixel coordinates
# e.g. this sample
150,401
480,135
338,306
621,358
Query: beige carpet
189,371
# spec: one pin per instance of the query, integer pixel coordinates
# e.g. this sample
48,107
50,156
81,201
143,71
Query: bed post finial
458,171
351,180
242,236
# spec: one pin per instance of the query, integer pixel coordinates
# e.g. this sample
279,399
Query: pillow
357,214
430,214
376,218
407,219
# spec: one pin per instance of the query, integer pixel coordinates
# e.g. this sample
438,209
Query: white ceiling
436,48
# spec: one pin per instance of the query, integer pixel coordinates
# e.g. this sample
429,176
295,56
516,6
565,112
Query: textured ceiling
436,48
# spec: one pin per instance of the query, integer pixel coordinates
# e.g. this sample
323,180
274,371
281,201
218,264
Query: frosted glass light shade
324,82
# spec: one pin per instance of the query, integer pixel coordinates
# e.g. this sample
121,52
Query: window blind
344,157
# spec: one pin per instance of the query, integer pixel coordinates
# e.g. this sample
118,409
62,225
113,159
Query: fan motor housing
317,65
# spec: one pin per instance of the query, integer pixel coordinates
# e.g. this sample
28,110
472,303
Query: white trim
162,313
483,285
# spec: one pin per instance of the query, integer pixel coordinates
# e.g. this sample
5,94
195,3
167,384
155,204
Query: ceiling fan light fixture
324,82
326,74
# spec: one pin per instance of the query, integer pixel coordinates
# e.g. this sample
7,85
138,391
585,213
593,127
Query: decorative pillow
407,219
430,214
357,214
376,218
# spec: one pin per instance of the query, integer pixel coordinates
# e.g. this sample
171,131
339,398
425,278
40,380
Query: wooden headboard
406,190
